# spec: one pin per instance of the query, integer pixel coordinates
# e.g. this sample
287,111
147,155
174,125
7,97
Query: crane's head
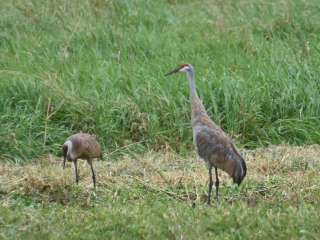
184,68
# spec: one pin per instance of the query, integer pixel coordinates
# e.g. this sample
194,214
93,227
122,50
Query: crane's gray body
213,145
84,146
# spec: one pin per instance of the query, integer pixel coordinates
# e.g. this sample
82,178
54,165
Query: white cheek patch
184,69
69,144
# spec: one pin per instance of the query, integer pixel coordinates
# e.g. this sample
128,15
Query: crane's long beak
173,71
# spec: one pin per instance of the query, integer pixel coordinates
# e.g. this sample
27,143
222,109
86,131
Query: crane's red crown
181,68
184,65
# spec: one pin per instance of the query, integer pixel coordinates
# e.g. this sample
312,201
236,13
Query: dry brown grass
275,171
163,193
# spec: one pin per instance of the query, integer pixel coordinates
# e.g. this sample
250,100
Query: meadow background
98,66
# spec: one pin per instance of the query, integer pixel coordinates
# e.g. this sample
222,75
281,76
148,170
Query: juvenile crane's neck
196,103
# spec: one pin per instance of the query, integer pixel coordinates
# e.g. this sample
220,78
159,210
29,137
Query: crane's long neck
196,103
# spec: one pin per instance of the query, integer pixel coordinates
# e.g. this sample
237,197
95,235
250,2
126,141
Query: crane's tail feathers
244,168
243,172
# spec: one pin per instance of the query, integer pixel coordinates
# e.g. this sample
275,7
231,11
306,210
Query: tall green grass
98,66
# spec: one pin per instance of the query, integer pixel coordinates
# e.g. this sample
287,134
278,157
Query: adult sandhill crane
84,146
212,143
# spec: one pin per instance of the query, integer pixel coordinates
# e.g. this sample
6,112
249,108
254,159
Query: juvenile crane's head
64,152
66,149
183,68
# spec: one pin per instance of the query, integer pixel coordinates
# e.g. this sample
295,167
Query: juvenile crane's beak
173,71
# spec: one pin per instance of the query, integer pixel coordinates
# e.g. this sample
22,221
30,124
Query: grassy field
98,66
162,196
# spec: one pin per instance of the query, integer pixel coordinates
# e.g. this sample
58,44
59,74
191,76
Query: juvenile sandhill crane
212,143
84,146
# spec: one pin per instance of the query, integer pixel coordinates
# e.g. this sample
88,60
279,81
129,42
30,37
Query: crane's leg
217,184
75,162
93,174
210,184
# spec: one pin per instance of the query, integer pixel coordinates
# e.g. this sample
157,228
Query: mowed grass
163,196
98,66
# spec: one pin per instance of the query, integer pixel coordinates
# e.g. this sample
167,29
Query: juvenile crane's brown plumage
211,142
84,146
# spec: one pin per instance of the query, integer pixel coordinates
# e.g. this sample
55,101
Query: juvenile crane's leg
210,184
217,184
93,174
75,162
